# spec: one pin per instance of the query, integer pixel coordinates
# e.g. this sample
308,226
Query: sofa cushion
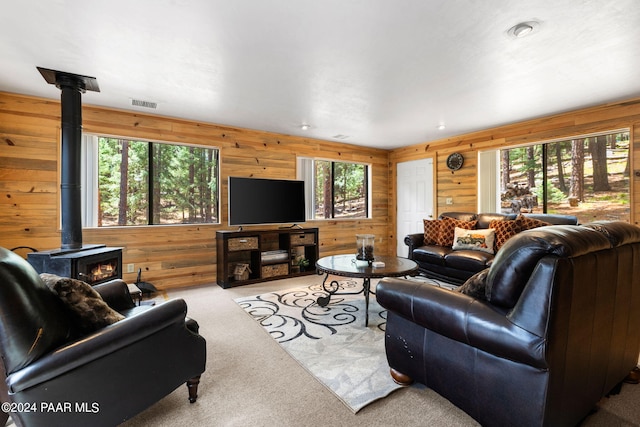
462,216
86,304
504,229
475,240
514,263
468,260
448,228
484,219
553,219
512,267
432,254
431,231
617,232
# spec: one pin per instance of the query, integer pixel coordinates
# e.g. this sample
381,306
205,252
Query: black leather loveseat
442,261
555,328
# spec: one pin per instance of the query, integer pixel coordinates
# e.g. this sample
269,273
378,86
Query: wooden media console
251,256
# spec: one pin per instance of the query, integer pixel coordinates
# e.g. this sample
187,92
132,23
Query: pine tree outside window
130,182
587,176
335,190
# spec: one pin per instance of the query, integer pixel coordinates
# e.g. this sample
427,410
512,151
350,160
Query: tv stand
251,256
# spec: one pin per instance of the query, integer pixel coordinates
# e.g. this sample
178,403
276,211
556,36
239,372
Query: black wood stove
91,263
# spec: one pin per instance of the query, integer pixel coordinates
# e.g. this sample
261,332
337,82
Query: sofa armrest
116,294
99,344
462,318
413,241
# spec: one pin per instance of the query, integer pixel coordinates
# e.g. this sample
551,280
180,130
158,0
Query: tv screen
265,201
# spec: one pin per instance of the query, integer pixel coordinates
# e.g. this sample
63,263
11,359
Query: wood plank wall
170,255
184,255
461,185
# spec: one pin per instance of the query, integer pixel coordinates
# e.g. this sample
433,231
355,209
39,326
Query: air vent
340,136
145,104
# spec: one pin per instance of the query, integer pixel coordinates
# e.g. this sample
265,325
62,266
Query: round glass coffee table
348,266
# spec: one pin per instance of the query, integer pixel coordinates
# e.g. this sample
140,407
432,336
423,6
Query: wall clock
455,161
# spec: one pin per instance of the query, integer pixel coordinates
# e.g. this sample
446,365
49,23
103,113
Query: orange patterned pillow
529,223
505,229
448,229
431,231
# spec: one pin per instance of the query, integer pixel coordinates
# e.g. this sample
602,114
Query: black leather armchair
557,329
103,378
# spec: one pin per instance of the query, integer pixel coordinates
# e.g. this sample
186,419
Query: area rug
332,343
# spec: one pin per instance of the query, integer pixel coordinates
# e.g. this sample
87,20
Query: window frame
306,172
90,181
489,184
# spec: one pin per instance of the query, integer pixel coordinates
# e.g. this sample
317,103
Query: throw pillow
448,229
475,285
475,240
431,231
505,229
527,223
90,310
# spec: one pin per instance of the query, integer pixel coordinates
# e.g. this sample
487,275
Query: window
132,182
586,176
335,189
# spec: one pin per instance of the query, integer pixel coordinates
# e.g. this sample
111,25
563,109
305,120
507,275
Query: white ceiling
380,73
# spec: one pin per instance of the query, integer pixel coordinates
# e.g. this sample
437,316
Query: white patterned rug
332,342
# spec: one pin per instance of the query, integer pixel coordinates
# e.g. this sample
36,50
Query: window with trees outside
335,189
586,176
131,182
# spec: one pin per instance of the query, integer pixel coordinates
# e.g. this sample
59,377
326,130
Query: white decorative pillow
475,240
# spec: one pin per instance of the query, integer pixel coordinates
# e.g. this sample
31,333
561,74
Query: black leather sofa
456,266
58,376
556,329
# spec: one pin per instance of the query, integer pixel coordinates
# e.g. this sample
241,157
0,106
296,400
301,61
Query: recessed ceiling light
441,127
305,126
523,29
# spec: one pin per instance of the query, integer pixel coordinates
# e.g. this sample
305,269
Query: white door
415,199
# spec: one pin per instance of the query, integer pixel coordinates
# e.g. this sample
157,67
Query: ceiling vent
145,104
340,136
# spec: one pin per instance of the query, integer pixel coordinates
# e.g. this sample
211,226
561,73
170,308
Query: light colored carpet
250,381
330,342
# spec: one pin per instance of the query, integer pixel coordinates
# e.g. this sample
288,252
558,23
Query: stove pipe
70,180
72,87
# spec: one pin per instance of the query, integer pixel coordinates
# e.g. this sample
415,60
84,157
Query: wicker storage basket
302,239
275,270
243,243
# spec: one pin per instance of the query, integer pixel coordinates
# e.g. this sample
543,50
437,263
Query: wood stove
93,264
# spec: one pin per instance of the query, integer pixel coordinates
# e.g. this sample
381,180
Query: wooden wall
169,255
184,255
462,184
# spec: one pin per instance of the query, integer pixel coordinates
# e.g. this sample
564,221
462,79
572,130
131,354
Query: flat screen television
265,201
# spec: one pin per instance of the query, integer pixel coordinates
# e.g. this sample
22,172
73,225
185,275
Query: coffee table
348,266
